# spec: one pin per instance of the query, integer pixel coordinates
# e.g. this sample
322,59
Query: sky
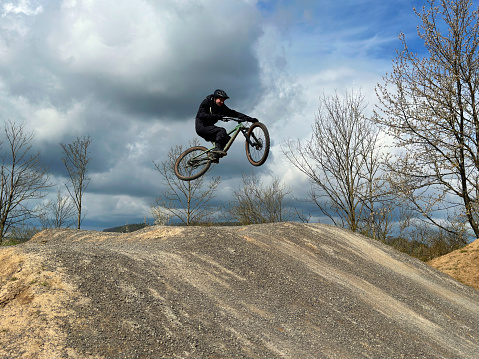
132,73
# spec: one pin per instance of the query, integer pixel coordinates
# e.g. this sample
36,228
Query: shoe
213,157
218,151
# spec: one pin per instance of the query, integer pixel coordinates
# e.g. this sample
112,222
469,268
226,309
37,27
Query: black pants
213,133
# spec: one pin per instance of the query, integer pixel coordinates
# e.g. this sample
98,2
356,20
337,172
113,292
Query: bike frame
234,133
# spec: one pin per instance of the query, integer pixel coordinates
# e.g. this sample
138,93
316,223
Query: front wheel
192,163
257,144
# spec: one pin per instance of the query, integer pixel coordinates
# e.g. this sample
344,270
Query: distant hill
127,228
278,290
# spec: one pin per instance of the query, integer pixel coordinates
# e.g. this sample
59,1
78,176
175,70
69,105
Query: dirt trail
283,290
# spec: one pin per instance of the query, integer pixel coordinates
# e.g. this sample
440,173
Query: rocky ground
283,290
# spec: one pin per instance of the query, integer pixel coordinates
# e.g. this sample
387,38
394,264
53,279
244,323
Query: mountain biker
212,109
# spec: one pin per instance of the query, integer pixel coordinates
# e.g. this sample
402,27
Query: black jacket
209,113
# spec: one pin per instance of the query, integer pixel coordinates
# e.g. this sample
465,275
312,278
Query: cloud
155,58
152,59
22,7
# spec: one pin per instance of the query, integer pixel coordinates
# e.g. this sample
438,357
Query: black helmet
221,94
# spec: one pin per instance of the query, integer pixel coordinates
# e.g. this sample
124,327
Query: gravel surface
283,290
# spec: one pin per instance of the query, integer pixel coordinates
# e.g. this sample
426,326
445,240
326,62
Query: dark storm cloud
167,91
151,64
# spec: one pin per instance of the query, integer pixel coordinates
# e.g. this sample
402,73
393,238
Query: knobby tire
191,165
257,148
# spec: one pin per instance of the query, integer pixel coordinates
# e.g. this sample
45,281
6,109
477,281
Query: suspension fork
255,141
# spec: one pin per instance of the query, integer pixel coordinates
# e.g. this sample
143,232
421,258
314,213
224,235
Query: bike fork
255,142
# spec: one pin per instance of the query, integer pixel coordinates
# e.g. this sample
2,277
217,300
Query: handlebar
226,119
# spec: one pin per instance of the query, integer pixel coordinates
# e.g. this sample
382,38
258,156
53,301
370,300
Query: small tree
76,159
188,201
342,162
257,202
58,213
23,178
161,215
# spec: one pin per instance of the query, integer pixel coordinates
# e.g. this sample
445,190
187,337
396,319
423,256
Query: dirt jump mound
283,290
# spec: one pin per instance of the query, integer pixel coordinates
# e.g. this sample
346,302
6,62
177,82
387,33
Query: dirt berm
283,290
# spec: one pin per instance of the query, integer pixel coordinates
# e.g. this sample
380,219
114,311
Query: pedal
213,157
219,153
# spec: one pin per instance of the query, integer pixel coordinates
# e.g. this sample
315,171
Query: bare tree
23,178
58,213
257,202
429,106
76,158
188,201
161,215
342,162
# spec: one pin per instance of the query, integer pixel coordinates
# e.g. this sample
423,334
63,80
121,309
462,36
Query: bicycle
195,161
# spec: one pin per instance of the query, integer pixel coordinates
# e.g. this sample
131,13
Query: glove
253,120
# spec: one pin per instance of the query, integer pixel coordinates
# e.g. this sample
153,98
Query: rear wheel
257,144
192,163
